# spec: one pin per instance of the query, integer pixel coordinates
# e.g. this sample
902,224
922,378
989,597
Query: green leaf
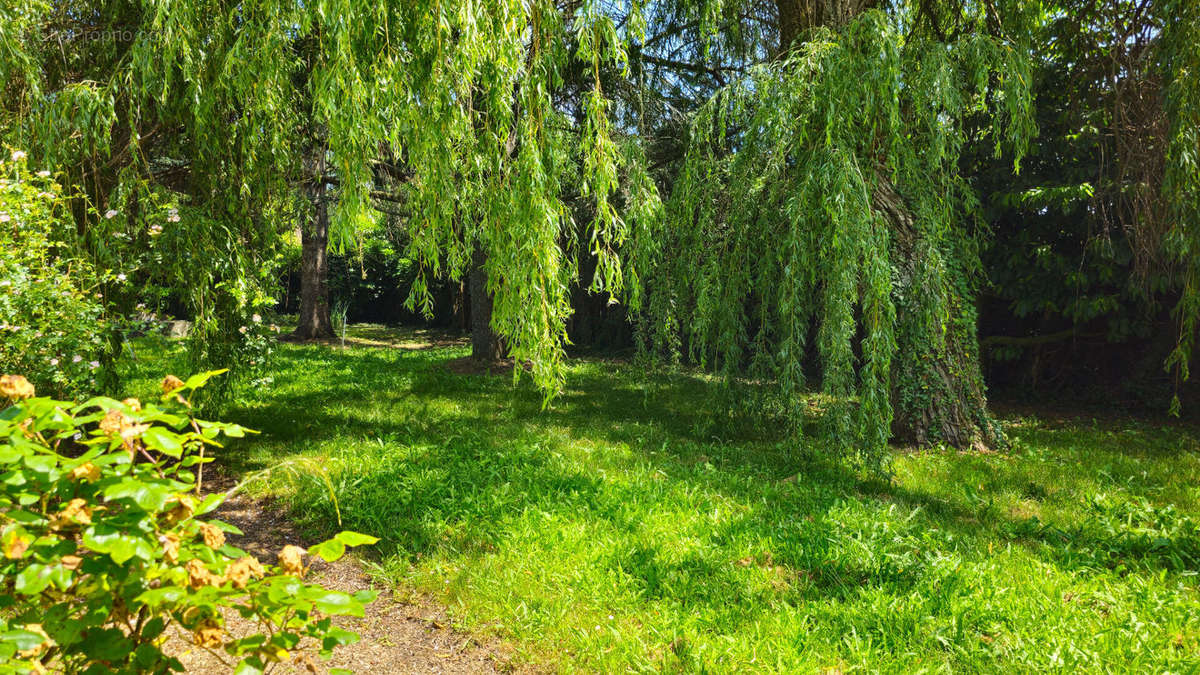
166,442
107,644
9,454
338,637
333,602
34,579
209,503
162,596
148,496
329,550
249,666
355,539
23,639
200,379
117,544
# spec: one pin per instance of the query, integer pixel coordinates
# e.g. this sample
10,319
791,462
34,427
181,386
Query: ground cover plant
109,548
634,526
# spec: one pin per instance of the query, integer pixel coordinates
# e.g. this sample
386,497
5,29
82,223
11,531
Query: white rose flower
110,214
43,174
18,155
76,359
256,318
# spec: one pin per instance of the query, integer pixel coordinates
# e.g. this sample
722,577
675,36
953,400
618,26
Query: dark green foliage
820,204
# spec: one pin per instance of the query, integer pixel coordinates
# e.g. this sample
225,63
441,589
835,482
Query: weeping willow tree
262,112
819,234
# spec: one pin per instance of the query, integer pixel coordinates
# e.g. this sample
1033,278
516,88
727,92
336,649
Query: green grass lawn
631,528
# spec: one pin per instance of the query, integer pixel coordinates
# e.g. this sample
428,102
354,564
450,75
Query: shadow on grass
433,461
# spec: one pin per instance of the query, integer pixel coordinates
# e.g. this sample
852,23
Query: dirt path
397,637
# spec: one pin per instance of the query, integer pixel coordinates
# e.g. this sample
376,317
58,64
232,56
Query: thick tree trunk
314,321
485,344
797,17
937,383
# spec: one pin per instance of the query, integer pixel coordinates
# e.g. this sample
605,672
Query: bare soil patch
411,636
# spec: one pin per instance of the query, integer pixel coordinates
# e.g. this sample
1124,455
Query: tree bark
796,17
485,344
937,388
315,322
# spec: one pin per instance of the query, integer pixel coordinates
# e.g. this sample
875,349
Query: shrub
52,325
104,547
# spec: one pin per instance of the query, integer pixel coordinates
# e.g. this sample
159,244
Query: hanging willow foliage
820,211
238,95
1181,180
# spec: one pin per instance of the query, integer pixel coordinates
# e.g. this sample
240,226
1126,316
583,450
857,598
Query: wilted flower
110,214
134,404
15,387
291,559
114,422
208,635
76,512
243,570
170,544
213,537
199,576
183,510
86,471
15,547
170,383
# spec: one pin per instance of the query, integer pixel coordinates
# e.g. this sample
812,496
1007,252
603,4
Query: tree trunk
796,17
315,322
937,383
485,344
937,387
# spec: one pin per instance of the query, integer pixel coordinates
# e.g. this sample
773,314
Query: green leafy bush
52,320
104,551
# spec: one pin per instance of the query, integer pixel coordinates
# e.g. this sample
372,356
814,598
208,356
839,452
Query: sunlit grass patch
632,526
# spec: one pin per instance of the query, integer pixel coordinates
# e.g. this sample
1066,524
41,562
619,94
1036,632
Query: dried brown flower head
15,387
291,559
242,570
170,383
213,536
